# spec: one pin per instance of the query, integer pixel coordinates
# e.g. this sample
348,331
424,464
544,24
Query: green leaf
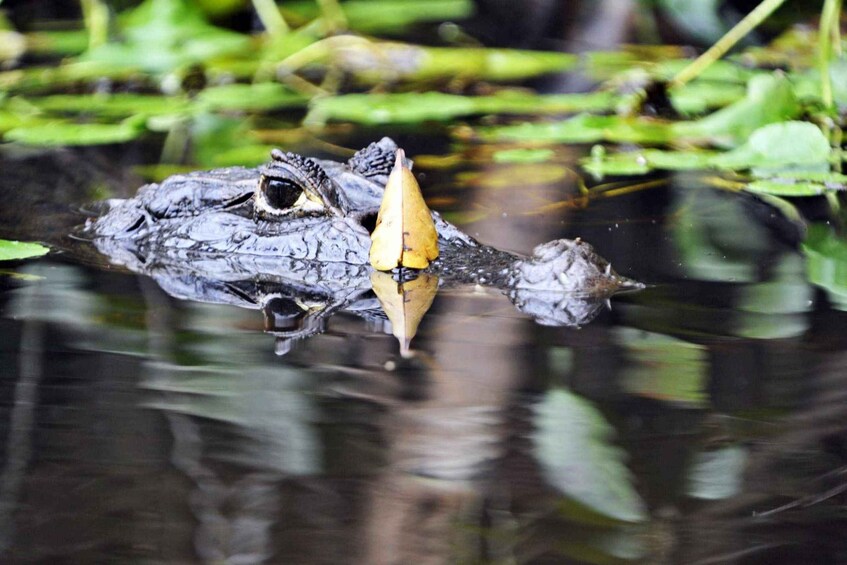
113,105
14,250
69,133
585,128
375,62
412,107
57,42
162,35
251,97
770,99
523,155
780,145
780,187
571,443
770,151
372,16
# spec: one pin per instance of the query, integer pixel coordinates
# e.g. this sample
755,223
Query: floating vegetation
168,69
15,250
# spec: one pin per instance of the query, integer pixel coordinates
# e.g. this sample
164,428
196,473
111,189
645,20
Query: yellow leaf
405,234
404,303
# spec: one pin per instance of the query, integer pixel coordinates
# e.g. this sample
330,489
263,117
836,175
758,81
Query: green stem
333,15
728,41
828,34
270,17
96,16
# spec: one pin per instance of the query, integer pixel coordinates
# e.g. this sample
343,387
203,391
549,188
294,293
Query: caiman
226,235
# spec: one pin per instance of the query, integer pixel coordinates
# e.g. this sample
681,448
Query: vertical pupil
281,193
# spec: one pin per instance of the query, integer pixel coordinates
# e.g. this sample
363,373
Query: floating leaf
118,104
68,133
405,234
523,155
769,149
413,107
162,35
373,16
798,144
260,96
57,42
769,99
780,187
13,250
571,443
377,61
585,128
405,303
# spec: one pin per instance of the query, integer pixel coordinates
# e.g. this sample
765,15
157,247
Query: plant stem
270,17
829,34
96,16
333,15
728,41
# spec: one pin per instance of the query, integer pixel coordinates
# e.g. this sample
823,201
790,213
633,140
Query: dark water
698,421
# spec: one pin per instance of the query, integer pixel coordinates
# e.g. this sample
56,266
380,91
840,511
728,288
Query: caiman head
568,266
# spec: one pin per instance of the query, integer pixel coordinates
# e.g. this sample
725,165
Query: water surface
697,421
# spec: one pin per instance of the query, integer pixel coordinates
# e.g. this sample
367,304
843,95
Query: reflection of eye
280,194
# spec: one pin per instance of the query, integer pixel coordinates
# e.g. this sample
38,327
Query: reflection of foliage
571,441
826,262
664,368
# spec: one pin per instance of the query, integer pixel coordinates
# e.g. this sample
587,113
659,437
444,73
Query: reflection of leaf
717,474
11,250
826,262
405,234
664,368
571,443
404,303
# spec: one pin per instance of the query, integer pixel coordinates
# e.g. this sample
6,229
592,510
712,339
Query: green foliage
163,35
14,250
375,16
420,107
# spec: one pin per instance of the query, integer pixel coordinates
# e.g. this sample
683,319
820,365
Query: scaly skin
219,226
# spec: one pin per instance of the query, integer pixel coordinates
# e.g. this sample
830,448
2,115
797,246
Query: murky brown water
698,421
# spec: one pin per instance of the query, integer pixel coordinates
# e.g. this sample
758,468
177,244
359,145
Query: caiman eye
280,194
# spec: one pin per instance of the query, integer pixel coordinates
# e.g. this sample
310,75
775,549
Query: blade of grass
828,35
725,43
270,17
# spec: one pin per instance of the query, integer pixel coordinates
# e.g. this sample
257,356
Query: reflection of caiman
299,226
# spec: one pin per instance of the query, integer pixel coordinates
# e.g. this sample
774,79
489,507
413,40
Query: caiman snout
569,265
